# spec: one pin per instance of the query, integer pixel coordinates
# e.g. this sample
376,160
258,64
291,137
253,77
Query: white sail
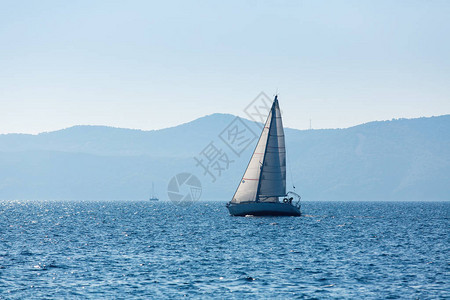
273,175
265,176
248,187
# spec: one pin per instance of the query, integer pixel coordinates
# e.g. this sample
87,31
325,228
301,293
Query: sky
156,64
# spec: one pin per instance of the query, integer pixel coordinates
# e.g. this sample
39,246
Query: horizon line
209,115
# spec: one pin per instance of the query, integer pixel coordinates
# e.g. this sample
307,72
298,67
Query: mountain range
401,159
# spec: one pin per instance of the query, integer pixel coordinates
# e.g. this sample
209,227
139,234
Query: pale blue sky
150,65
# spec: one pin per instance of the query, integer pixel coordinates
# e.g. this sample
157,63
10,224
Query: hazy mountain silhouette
405,159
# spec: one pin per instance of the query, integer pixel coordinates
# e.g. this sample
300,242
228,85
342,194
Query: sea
158,250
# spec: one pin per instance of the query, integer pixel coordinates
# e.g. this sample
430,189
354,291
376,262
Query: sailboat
153,196
264,180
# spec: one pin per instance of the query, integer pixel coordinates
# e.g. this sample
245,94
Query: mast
272,181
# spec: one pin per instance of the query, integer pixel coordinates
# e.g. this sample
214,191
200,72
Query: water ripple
156,250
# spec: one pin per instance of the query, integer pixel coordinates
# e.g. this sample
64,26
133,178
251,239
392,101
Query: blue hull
263,209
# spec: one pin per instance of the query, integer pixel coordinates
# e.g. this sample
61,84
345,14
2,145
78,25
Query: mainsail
265,176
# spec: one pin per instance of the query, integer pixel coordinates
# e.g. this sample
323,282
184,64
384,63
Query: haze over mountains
405,159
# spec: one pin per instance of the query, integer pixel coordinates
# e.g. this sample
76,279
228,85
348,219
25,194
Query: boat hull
263,209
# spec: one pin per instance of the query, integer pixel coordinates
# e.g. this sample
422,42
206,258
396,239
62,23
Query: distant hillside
405,159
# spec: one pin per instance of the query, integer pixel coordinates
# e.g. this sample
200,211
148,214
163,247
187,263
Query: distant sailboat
264,180
153,197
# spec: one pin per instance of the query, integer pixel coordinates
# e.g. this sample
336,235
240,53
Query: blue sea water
158,250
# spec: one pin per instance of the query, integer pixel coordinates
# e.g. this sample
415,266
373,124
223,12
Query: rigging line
290,171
